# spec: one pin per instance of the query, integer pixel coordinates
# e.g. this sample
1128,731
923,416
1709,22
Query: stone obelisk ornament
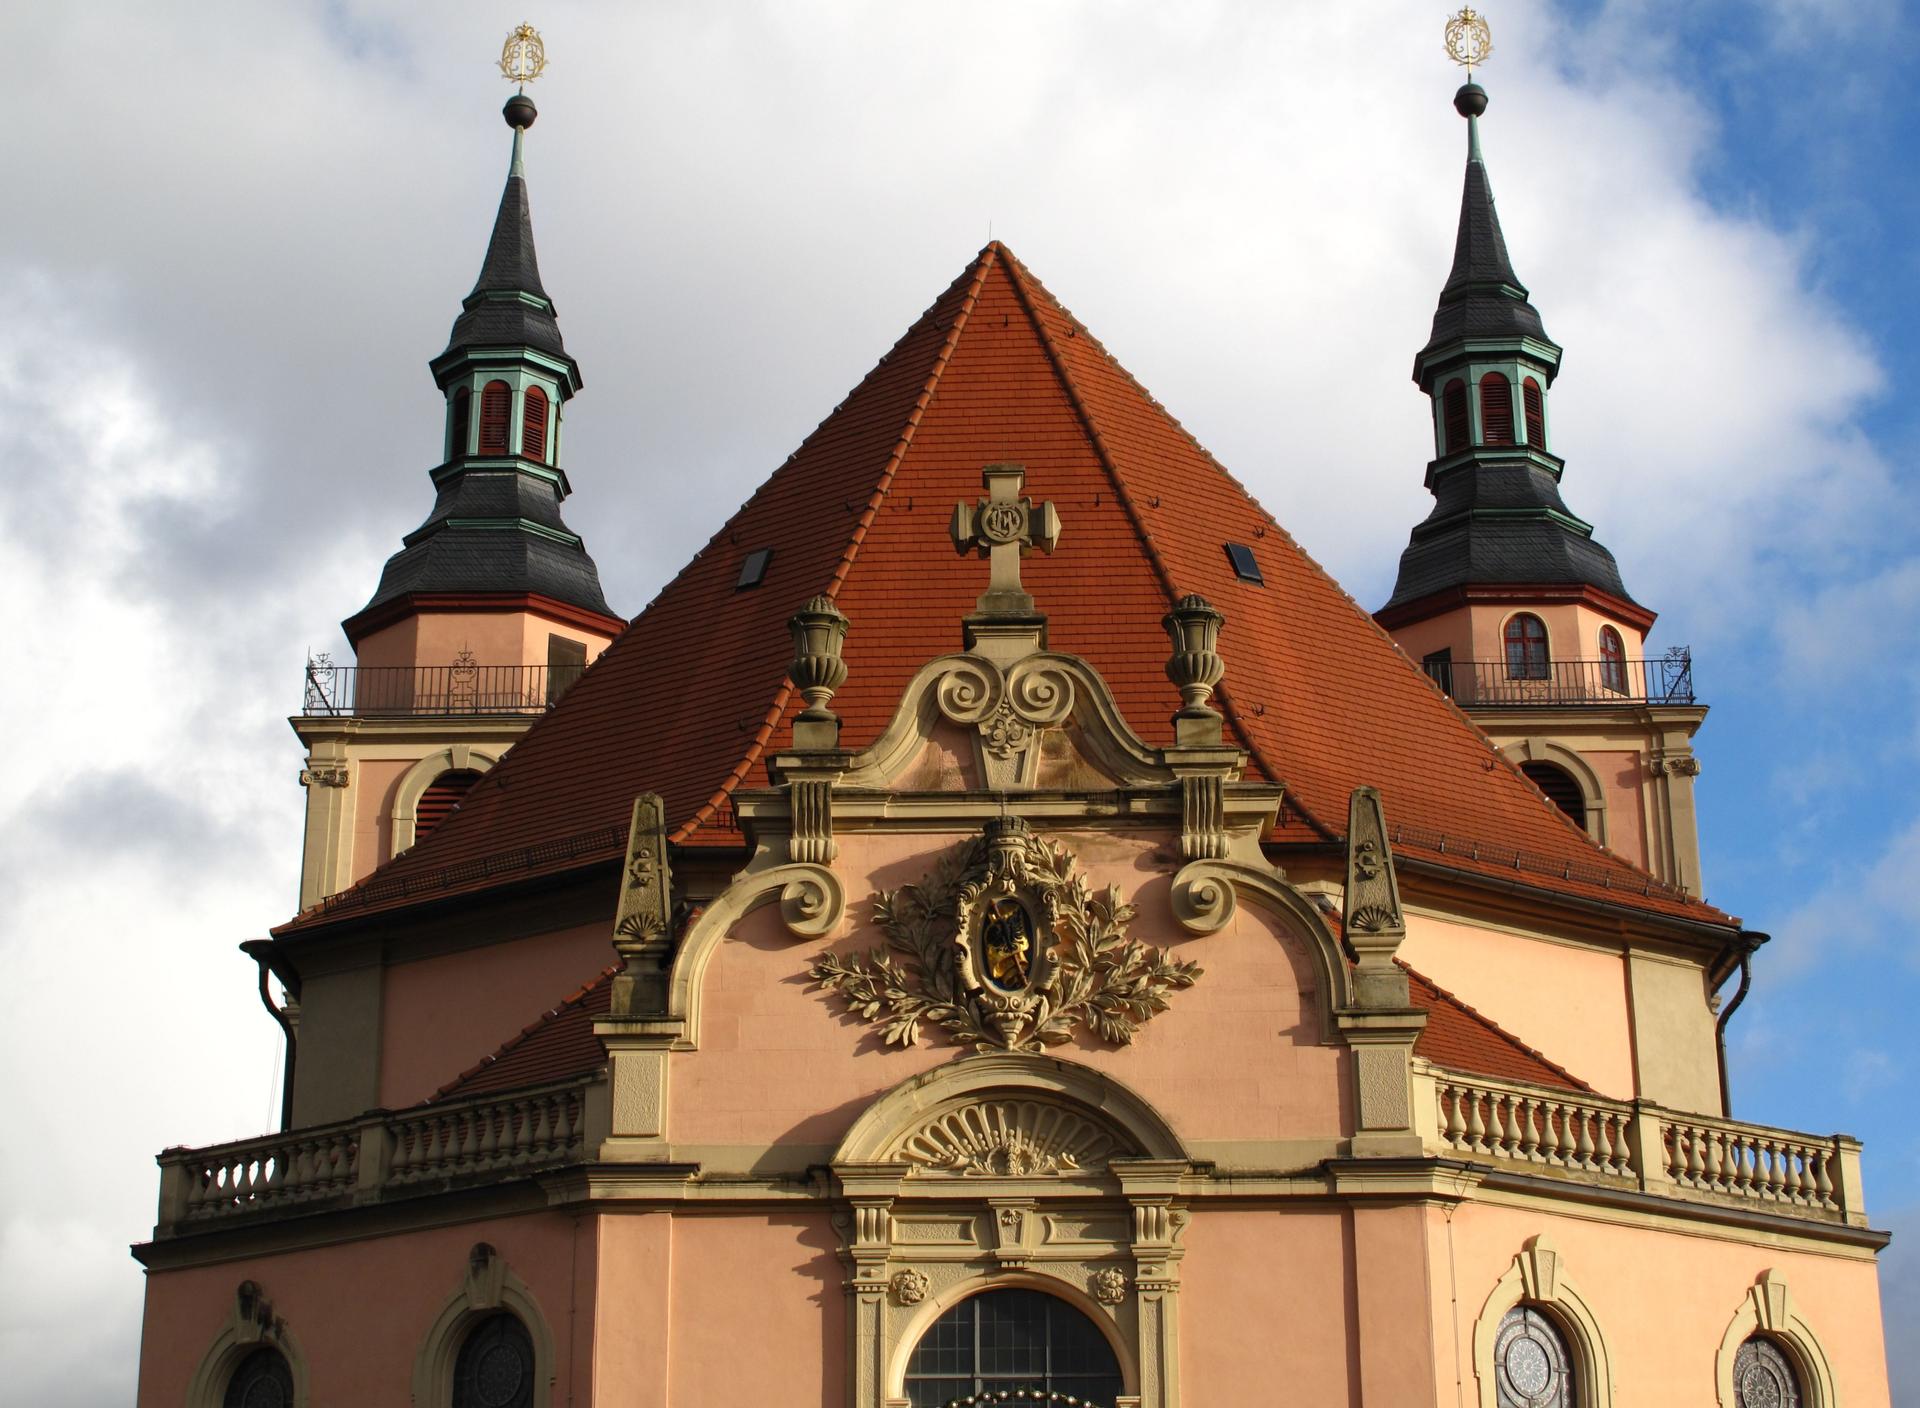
1374,922
1006,947
642,926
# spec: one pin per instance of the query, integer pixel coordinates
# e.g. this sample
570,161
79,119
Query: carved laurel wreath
1093,973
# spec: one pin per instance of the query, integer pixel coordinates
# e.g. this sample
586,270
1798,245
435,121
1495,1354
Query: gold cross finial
524,57
1469,41
1001,527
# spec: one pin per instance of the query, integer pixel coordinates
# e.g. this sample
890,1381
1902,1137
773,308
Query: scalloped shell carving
1009,1139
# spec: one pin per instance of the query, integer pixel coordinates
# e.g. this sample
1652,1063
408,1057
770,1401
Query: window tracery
1532,1365
494,1368
1014,1340
1763,1376
261,1380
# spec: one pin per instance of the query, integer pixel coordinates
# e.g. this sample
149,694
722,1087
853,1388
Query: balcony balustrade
1530,681
464,687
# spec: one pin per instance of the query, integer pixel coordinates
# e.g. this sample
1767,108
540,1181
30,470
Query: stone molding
418,778
1592,795
250,1323
1768,1309
1538,1277
1206,898
486,1285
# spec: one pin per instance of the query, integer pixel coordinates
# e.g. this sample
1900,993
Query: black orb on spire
520,111
1470,101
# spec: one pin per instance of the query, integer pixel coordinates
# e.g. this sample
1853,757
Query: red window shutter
1496,410
462,419
496,404
443,794
533,426
1536,407
1453,410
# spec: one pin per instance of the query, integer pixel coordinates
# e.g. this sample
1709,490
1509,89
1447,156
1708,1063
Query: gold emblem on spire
524,58
1469,41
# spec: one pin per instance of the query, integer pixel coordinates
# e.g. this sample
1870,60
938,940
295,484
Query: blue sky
222,234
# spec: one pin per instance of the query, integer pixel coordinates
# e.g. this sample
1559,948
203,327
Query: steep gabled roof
560,1043
689,699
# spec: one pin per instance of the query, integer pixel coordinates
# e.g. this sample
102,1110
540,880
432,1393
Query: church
1003,926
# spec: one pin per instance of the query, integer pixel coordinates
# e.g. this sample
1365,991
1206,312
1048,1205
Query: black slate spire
496,528
1498,518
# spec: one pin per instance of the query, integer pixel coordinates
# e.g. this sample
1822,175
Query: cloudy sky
235,233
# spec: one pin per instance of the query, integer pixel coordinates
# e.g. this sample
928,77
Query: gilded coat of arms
1006,947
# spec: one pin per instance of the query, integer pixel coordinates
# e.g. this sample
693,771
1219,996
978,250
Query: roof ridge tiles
982,262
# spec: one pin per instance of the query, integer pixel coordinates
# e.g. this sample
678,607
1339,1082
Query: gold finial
523,58
1469,41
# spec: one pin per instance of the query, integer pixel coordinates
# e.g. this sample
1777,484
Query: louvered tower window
1613,661
1453,412
1526,642
1496,410
462,422
533,426
1562,789
496,413
443,794
1536,407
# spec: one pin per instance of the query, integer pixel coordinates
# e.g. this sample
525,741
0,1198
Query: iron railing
1527,680
463,687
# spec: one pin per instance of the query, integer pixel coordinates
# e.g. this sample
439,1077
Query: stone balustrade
1640,1146
382,1155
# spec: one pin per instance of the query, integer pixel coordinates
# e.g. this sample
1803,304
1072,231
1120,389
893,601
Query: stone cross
1002,526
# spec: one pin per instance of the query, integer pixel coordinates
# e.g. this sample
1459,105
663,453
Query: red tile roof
560,1043
687,701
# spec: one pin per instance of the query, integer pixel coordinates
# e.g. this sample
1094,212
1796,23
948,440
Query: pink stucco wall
359,1311
1237,1056
439,1016
491,637
1567,1001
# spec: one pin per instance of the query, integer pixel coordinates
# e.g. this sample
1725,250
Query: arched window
443,794
1536,407
1613,661
533,426
1531,1363
495,1365
1008,1340
1496,410
496,412
1526,640
1561,788
1763,1376
1453,413
462,420
261,1380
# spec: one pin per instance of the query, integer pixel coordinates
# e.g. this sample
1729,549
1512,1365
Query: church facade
1004,926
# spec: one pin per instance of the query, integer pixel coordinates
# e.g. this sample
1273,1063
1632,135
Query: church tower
491,608
1504,595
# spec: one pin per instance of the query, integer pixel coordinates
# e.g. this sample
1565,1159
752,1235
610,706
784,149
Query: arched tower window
495,1366
1532,1365
462,421
1453,415
1009,1340
1496,409
533,426
1613,661
1763,1376
496,414
1526,641
262,1380
1561,789
1536,408
443,794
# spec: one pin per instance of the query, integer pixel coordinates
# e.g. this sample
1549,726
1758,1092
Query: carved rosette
1108,1285
1006,946
910,1287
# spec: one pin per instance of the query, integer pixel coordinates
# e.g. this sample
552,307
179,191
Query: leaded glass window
495,1367
1531,1365
1012,1339
1763,1376
262,1380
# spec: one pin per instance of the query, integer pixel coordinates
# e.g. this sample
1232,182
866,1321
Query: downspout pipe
1742,952
261,952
